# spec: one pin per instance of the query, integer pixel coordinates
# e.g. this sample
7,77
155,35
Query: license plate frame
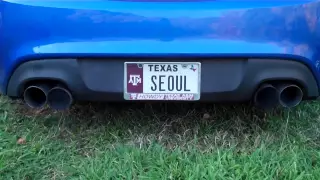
160,96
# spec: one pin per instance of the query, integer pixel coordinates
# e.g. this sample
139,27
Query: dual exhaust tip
286,95
58,98
266,97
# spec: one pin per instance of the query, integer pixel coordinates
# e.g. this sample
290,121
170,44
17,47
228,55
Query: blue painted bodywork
99,28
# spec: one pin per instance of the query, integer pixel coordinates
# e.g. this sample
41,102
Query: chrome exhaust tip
266,97
35,96
59,98
290,95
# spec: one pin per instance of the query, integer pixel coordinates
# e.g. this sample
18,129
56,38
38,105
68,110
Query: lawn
167,141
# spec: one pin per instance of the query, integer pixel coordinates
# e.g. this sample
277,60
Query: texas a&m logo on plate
134,78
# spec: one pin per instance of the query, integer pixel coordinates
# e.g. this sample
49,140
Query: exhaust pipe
266,97
35,96
59,98
290,95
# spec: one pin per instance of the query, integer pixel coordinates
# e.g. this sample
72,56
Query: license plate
162,81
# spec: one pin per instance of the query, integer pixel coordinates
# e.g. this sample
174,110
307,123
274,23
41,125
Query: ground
159,141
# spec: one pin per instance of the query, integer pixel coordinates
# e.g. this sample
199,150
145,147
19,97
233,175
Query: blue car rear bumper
85,44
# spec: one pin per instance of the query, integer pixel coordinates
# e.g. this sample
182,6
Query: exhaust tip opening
266,97
59,98
291,96
35,97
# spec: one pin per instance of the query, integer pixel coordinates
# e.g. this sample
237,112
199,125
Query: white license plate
178,81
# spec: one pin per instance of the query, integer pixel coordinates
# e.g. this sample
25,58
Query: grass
159,141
